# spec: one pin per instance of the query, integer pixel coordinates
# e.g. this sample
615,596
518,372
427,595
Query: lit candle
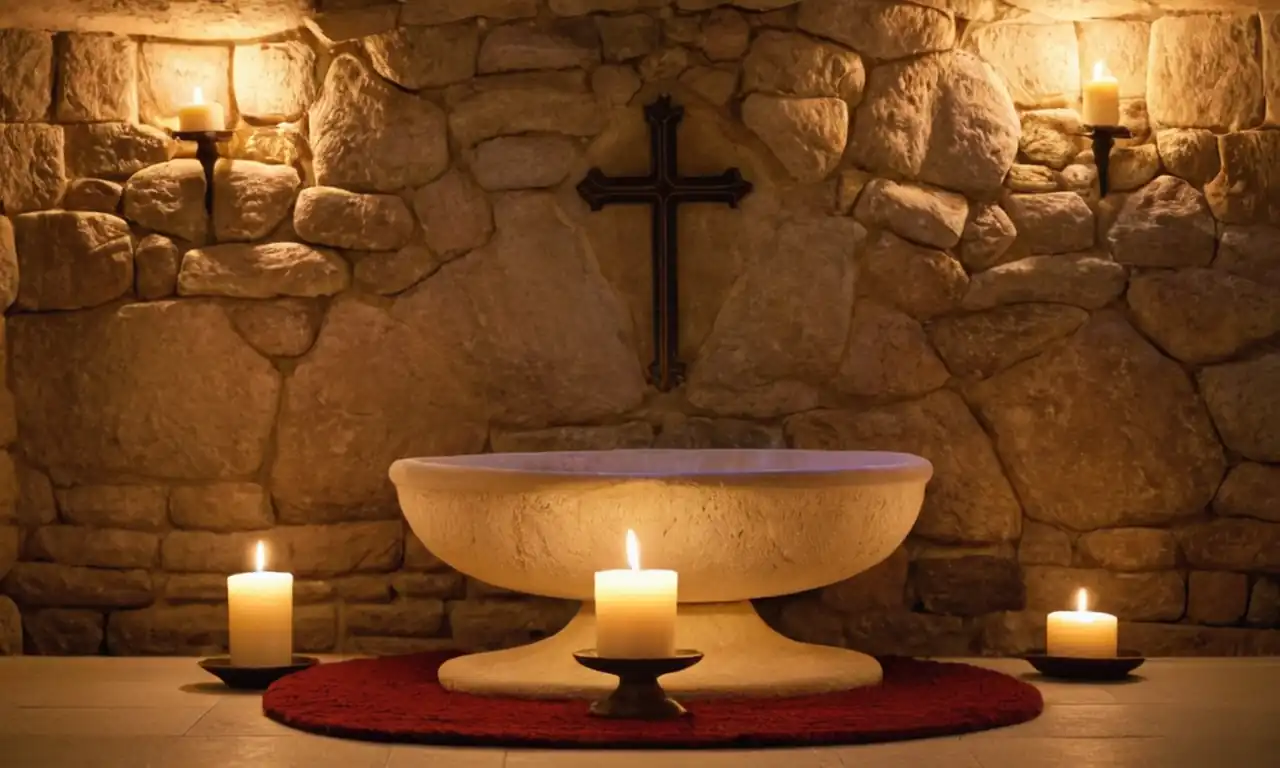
1102,97
260,608
199,116
1082,632
635,610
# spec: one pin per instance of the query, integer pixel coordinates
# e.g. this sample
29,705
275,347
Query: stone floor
157,713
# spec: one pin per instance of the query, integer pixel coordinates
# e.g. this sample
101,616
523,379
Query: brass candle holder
1104,138
638,695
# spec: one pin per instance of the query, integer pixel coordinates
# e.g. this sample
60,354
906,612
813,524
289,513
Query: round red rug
399,699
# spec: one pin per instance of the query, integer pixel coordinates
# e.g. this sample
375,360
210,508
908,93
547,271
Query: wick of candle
1082,600
633,550
262,549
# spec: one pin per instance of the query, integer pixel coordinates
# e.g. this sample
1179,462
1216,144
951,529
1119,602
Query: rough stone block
634,434
1055,222
1250,491
250,199
1103,402
97,79
122,365
392,272
10,548
455,214
881,30
1039,62
262,271
903,633
1051,136
396,646
169,198
335,217
367,136
223,507
328,550
967,501
968,585
881,587
1264,603
98,195
491,624
1203,315
925,215
404,618
1129,549
430,12
100,547
697,432
315,628
182,630
418,558
9,277
923,282
71,260
135,507
1204,72
1043,545
10,628
1155,596
115,150
1232,544
1271,64
53,585
155,265
942,118
280,328
27,58
1241,399
274,81
806,135
1216,597
524,162
981,344
888,354
63,632
1251,251
797,65
625,38
199,588
517,110
1247,188
416,57
519,47
1165,224
445,586
1189,153
1085,280
169,73
32,156
363,589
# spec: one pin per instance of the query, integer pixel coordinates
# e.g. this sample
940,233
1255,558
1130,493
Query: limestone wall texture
398,265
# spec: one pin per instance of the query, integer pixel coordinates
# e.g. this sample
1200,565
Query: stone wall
397,264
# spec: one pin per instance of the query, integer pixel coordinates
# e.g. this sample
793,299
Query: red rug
399,699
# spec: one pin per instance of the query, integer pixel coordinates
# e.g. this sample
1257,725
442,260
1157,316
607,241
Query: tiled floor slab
165,713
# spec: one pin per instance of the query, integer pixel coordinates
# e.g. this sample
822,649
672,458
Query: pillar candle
1081,633
635,610
199,116
1102,98
260,607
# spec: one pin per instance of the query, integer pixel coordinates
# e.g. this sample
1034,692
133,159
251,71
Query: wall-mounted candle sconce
205,124
1101,113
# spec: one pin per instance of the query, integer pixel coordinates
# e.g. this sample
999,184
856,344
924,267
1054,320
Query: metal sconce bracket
1104,138
207,153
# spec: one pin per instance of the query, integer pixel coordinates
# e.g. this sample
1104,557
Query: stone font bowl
735,524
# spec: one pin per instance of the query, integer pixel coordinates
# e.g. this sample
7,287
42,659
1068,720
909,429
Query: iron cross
663,189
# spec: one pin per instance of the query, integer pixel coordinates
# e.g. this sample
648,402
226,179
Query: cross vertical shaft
663,189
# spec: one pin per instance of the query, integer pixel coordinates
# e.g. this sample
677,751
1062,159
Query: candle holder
638,695
1104,138
207,153
1117,667
242,678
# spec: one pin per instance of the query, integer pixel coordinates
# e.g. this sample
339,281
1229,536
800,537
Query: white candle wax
260,615
635,610
1081,633
1101,98
199,116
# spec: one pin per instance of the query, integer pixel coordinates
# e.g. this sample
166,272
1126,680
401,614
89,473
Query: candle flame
1100,71
262,557
197,95
1082,600
633,550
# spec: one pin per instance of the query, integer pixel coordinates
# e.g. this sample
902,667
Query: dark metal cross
664,189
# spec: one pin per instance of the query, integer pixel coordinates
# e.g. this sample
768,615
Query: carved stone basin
735,525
